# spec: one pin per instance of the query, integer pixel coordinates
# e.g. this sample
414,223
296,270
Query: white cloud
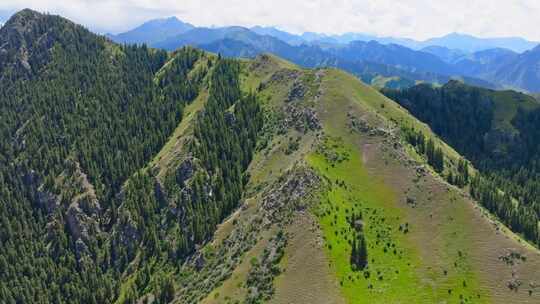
418,19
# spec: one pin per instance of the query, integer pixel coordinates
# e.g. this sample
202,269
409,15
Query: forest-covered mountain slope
135,175
496,130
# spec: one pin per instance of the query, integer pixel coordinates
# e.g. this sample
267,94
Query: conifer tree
362,252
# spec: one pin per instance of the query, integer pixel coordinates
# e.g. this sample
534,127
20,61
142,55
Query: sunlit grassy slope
437,260
441,248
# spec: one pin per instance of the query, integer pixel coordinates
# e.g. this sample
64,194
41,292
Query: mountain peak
27,12
22,17
167,20
153,31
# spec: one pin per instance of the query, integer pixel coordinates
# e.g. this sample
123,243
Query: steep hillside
338,172
82,118
133,175
496,131
521,72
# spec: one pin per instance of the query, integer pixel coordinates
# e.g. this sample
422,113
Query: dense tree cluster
461,177
460,114
359,254
433,154
518,216
508,157
225,137
79,114
80,100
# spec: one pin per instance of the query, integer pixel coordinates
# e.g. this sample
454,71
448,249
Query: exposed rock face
47,200
31,41
284,76
83,212
303,119
293,191
74,197
127,233
183,193
297,92
82,224
186,170
358,124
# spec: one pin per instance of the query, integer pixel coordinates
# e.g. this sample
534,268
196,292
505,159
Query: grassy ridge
393,259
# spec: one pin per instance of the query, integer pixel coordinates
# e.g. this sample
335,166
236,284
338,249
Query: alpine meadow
176,163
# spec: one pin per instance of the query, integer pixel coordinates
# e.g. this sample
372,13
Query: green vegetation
497,131
434,155
81,103
132,175
391,273
79,204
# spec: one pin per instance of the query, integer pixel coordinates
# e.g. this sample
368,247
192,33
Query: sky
418,19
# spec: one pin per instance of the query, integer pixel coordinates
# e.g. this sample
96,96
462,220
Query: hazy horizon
416,19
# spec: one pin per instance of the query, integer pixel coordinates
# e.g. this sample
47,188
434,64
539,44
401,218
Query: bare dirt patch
307,277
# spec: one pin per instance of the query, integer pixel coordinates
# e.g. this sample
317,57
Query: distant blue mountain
492,63
372,51
153,31
453,41
448,55
350,37
291,39
393,55
159,30
366,60
470,43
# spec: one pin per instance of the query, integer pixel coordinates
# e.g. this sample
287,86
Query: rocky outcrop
183,193
31,42
126,233
303,119
283,76
358,124
293,191
297,91
290,194
82,224
263,271
187,169
83,213
47,200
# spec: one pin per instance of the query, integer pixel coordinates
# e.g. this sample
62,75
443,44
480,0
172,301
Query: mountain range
483,62
457,41
131,174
